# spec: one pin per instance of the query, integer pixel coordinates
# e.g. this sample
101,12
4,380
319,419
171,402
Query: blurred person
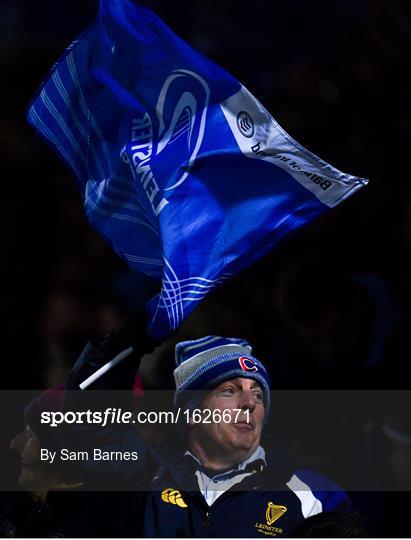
385,469
71,315
396,500
340,330
342,323
332,525
51,502
396,427
222,480
34,478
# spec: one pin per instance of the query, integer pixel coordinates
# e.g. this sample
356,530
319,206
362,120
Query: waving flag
181,169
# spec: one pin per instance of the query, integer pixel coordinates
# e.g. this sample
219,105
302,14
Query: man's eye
228,391
258,397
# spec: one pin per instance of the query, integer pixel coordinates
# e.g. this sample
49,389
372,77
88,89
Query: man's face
33,476
239,436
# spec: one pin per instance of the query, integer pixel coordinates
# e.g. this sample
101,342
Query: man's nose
17,443
247,401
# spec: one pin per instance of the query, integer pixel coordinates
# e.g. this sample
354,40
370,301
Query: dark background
330,307
333,74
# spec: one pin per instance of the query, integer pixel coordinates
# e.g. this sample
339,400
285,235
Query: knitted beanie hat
203,364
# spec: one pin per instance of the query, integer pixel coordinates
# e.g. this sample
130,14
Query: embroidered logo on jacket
173,496
272,513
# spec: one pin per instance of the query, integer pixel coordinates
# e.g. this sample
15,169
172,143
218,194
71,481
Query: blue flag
181,169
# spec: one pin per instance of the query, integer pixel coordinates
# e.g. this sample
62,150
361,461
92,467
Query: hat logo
247,364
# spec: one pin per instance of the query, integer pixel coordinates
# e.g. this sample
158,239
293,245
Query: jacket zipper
206,521
207,515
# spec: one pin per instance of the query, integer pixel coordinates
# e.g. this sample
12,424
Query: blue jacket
164,499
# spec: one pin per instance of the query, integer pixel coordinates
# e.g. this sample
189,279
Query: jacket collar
257,459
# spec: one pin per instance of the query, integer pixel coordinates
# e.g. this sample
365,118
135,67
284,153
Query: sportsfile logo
162,150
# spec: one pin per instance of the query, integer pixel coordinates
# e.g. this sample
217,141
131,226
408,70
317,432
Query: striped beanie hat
203,364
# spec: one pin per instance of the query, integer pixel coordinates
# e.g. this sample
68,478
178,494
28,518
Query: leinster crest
274,512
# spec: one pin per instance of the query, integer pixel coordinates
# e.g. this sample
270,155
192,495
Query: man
224,482
33,511
49,497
